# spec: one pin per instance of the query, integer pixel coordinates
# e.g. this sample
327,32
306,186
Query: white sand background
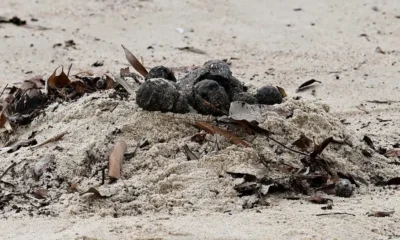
273,44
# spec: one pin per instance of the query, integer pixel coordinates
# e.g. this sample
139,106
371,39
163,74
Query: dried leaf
73,188
381,214
303,142
247,188
379,50
192,49
58,81
307,84
95,192
124,71
80,87
282,91
369,142
319,200
40,193
190,154
125,85
318,149
135,62
199,138
393,153
110,83
212,129
393,181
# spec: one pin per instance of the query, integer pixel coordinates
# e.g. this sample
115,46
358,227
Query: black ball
161,72
269,95
160,95
210,98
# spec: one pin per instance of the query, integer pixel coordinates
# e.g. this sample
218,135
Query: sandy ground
270,43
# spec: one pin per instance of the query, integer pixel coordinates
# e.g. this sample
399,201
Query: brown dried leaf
80,87
135,62
379,50
307,84
381,214
303,142
369,142
58,81
73,188
282,91
198,137
110,83
40,193
319,200
212,129
3,119
393,153
95,192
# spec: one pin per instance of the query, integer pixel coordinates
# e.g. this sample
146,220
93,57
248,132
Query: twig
69,69
1,94
335,213
8,169
53,139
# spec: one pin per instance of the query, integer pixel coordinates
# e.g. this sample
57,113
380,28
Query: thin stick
335,213
4,90
69,69
8,169
53,139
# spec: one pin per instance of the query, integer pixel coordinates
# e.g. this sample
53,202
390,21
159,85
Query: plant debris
307,84
115,160
393,153
379,50
95,193
192,49
212,129
381,214
14,20
135,62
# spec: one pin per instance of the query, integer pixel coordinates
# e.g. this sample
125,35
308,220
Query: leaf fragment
395,152
369,142
95,193
40,193
381,214
307,84
192,49
190,154
319,200
282,91
58,81
379,50
212,129
303,142
135,62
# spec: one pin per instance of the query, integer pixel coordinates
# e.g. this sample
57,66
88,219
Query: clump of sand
159,177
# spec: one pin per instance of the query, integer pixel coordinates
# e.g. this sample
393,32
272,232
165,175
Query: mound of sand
159,177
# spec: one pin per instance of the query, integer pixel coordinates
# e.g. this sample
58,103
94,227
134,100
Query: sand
274,44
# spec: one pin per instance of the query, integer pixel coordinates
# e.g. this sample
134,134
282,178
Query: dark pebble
161,72
269,95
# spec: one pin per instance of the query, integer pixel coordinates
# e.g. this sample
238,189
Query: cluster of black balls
209,90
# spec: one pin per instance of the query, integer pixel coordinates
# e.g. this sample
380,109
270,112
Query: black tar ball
158,94
269,95
161,72
209,92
